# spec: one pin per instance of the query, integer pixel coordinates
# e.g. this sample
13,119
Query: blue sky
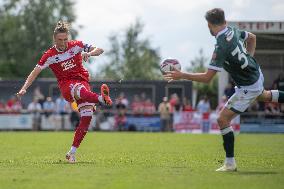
177,28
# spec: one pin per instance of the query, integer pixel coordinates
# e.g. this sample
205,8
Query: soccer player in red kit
65,60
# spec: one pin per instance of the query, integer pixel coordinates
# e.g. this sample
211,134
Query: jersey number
241,56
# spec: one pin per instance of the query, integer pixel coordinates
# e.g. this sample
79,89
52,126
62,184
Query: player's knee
76,91
222,121
86,111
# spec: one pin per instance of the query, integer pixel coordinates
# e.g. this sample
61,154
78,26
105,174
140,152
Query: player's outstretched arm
205,77
94,51
33,75
251,43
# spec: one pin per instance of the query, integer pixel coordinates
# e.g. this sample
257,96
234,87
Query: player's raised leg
80,92
272,96
86,114
227,132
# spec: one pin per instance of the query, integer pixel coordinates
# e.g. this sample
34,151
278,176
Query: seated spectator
272,109
13,105
121,101
136,105
2,106
149,107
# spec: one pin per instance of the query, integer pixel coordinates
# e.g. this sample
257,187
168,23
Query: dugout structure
269,50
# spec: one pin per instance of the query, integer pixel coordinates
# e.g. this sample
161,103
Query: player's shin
88,96
82,129
228,143
277,96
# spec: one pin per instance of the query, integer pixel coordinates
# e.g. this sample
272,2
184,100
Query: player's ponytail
61,27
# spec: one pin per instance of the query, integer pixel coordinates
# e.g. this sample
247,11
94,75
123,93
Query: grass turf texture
138,160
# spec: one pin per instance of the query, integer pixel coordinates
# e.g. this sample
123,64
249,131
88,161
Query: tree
132,58
211,89
26,29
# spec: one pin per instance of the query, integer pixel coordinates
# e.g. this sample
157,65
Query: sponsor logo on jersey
68,64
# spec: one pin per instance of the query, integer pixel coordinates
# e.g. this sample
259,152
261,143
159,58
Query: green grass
138,160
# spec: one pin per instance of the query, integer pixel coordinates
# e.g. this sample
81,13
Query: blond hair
61,27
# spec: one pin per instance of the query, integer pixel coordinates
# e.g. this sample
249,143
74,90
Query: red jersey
66,65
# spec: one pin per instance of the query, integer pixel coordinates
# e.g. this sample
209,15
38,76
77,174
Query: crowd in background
140,105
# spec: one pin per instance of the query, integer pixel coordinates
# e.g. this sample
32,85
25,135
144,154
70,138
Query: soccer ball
169,64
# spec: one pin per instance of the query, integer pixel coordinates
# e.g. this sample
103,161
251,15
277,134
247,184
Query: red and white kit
68,68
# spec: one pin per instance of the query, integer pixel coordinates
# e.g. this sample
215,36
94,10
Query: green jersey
231,55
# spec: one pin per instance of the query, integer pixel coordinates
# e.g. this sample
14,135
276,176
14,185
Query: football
169,64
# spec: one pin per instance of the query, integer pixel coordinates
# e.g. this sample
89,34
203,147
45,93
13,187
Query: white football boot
227,168
71,157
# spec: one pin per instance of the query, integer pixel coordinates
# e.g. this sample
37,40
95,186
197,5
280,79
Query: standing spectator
175,102
38,95
203,105
279,82
35,108
48,107
62,108
165,114
186,105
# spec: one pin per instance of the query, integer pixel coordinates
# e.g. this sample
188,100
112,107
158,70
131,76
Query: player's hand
173,75
98,51
86,56
21,93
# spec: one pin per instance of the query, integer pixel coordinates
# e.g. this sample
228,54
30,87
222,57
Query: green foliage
211,90
32,160
132,58
26,29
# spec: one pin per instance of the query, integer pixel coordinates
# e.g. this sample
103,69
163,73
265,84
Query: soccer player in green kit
231,55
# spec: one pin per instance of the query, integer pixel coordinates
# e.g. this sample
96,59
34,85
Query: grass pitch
138,160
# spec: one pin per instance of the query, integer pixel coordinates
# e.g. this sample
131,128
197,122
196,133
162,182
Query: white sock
73,150
230,161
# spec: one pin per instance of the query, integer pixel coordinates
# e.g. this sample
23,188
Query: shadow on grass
60,162
256,172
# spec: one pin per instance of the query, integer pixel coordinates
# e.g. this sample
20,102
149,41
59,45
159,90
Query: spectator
35,108
272,109
2,106
121,101
279,82
136,105
165,114
149,107
203,105
38,95
13,105
62,107
48,107
175,102
186,105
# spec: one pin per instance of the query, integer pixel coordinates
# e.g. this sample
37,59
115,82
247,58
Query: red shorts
66,87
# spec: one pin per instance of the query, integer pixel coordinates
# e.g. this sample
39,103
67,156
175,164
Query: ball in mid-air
169,64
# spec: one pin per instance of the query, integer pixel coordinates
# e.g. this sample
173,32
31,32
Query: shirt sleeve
87,47
42,63
244,34
217,60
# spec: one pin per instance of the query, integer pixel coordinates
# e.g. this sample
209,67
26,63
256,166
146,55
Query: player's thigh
265,96
225,117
